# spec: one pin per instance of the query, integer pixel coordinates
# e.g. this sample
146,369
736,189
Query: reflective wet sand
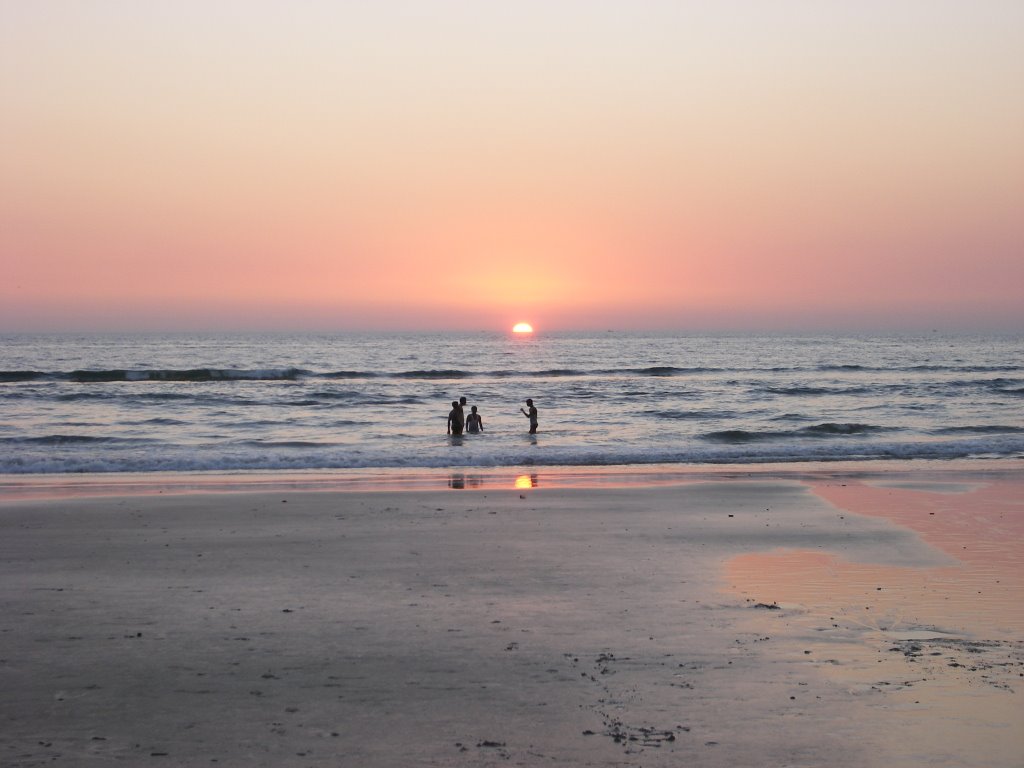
723,620
932,651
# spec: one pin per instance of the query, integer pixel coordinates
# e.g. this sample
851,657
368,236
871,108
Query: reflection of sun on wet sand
526,481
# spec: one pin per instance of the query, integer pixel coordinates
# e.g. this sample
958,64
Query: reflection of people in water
456,420
474,422
532,416
459,481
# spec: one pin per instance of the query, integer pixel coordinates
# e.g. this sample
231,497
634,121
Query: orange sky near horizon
327,166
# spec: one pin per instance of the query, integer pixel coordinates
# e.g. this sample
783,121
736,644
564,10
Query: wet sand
848,620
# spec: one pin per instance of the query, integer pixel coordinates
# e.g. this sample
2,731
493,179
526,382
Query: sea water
151,403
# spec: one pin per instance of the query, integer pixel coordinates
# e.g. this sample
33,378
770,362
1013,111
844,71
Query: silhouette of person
532,416
474,422
456,420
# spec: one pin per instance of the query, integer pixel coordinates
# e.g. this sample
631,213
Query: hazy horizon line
538,332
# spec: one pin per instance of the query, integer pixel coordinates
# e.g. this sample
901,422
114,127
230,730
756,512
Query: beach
731,618
734,293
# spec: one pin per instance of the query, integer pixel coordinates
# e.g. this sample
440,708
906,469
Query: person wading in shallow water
532,416
474,422
456,419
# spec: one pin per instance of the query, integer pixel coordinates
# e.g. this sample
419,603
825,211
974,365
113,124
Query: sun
522,328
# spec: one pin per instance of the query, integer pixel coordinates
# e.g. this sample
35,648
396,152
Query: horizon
334,168
538,334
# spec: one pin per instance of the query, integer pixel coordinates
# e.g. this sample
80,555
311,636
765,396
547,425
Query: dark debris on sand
990,662
632,737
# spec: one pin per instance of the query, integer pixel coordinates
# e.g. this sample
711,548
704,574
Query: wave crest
827,429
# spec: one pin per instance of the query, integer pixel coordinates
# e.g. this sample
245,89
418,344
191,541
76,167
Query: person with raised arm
531,415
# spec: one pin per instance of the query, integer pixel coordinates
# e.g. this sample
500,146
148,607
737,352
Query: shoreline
19,487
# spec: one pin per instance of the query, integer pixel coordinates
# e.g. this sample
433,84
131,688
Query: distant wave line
207,374
59,439
825,430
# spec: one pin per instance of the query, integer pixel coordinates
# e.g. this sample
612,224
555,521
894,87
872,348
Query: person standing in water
456,420
474,422
531,415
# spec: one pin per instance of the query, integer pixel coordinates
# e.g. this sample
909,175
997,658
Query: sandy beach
842,618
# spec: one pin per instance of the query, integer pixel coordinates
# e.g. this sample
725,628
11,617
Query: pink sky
464,165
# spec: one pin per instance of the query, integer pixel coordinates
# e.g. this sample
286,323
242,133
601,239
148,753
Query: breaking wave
300,455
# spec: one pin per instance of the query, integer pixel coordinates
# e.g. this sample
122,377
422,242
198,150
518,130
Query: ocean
223,403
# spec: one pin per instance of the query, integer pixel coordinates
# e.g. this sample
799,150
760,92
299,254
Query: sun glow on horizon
522,328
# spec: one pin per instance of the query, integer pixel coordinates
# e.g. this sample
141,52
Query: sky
331,166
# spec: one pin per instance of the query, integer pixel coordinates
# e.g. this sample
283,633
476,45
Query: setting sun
522,328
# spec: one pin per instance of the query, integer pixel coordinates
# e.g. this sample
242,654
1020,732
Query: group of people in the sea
473,423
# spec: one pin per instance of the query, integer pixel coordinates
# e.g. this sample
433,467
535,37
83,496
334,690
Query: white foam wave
473,453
